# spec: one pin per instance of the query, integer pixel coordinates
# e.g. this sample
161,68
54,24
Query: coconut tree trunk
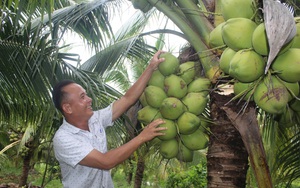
139,173
227,157
25,169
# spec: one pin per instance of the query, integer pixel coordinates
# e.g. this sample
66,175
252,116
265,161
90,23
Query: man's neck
79,123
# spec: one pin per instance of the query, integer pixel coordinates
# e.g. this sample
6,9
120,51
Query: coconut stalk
218,18
196,17
209,62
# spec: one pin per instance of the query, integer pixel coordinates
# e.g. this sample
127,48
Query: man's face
77,102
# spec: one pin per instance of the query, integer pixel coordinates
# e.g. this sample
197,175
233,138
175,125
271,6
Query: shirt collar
69,127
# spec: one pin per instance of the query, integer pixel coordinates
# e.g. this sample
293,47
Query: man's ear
67,108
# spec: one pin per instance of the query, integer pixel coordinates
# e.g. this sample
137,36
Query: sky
172,43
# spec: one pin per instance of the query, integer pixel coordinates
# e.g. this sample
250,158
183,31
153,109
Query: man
80,143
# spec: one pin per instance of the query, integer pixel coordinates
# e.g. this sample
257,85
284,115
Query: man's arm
135,91
116,156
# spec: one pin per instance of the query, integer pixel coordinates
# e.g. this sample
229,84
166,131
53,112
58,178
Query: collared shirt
72,144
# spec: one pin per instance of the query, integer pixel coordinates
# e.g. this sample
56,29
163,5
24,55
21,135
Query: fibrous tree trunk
25,169
139,173
227,157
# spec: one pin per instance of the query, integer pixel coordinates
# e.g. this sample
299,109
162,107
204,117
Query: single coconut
237,9
188,123
294,104
143,100
293,89
271,95
225,59
154,96
175,86
187,71
296,39
170,65
195,102
237,33
244,90
171,130
215,37
286,119
195,141
184,153
169,148
171,108
247,66
147,114
287,65
200,84
157,79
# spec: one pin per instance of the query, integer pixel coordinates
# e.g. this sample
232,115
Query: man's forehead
74,87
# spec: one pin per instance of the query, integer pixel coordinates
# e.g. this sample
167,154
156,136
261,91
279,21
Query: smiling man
80,143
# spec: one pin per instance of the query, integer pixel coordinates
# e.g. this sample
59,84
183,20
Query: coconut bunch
175,94
244,49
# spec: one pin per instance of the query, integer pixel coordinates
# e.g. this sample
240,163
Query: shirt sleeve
69,149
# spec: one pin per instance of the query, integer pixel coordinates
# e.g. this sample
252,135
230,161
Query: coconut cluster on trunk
175,94
244,48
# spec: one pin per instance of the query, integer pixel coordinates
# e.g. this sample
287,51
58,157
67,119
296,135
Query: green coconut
237,9
188,123
296,39
294,104
154,96
237,33
187,71
171,130
260,41
142,5
200,84
286,119
169,148
247,66
243,90
288,65
293,89
215,37
195,102
170,65
196,141
175,86
172,108
271,95
143,100
157,79
184,153
147,114
225,59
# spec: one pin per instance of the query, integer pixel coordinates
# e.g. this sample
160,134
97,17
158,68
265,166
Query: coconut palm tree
36,34
236,131
32,61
